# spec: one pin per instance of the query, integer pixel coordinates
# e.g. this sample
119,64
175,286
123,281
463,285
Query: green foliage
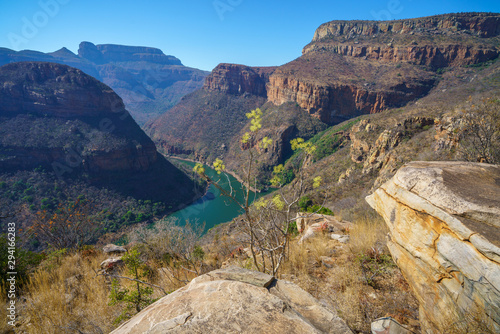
304,203
198,253
292,229
138,296
320,209
329,141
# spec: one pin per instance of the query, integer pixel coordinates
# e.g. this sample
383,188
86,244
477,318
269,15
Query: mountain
350,68
63,121
148,81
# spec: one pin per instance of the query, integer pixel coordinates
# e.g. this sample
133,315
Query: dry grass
67,297
362,284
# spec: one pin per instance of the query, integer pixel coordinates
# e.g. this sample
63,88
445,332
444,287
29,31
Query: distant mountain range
349,69
148,81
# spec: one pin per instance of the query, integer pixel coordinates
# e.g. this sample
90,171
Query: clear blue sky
202,33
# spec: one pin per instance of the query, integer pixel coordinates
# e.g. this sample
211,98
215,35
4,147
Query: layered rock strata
444,222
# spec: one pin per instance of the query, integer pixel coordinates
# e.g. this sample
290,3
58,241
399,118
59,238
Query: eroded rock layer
444,222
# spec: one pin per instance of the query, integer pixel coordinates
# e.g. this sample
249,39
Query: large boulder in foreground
444,222
236,300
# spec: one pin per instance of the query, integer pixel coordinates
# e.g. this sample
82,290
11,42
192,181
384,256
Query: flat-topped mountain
350,68
148,81
69,123
105,53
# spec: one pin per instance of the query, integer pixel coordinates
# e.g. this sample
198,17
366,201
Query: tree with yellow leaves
268,223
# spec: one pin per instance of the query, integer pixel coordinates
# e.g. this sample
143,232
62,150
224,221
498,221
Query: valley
366,172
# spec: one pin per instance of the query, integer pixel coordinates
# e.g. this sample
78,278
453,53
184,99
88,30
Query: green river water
214,208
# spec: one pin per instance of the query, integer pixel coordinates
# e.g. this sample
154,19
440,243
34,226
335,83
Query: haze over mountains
148,81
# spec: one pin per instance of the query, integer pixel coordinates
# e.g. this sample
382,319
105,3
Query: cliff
359,67
436,41
105,53
148,81
59,118
205,123
239,79
444,223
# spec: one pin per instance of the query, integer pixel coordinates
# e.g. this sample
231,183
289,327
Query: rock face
235,300
414,40
444,221
121,53
239,79
148,81
59,118
359,67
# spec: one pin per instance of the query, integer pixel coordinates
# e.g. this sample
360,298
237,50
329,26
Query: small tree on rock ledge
269,223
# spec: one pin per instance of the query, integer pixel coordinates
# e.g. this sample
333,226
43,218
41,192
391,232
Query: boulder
236,300
444,223
110,248
388,325
340,238
111,264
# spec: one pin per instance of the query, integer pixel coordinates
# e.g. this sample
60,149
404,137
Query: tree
71,225
137,297
268,223
175,246
479,131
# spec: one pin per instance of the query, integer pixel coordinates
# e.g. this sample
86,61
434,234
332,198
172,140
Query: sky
201,33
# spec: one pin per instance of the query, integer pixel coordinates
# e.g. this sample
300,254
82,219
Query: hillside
148,81
350,68
66,127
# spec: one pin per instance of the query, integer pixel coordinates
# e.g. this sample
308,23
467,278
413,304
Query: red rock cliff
238,79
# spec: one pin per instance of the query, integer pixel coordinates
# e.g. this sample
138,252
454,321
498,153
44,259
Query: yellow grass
69,298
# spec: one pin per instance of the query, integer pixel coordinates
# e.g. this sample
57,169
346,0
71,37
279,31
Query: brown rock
239,79
219,302
444,222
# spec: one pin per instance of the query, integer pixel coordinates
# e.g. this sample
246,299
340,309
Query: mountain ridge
149,81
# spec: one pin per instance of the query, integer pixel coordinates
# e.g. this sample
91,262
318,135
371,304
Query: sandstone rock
235,300
388,326
110,248
340,238
444,222
239,79
329,37
327,261
111,264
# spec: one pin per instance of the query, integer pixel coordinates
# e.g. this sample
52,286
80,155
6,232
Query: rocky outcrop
148,81
370,73
121,53
239,79
70,124
378,154
235,300
337,102
36,95
429,55
482,24
334,88
444,222
436,41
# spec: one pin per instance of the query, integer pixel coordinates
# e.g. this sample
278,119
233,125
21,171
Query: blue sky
202,33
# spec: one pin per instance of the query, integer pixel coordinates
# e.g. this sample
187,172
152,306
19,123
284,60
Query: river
214,208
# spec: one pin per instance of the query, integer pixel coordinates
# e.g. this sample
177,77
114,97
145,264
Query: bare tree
479,132
268,223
